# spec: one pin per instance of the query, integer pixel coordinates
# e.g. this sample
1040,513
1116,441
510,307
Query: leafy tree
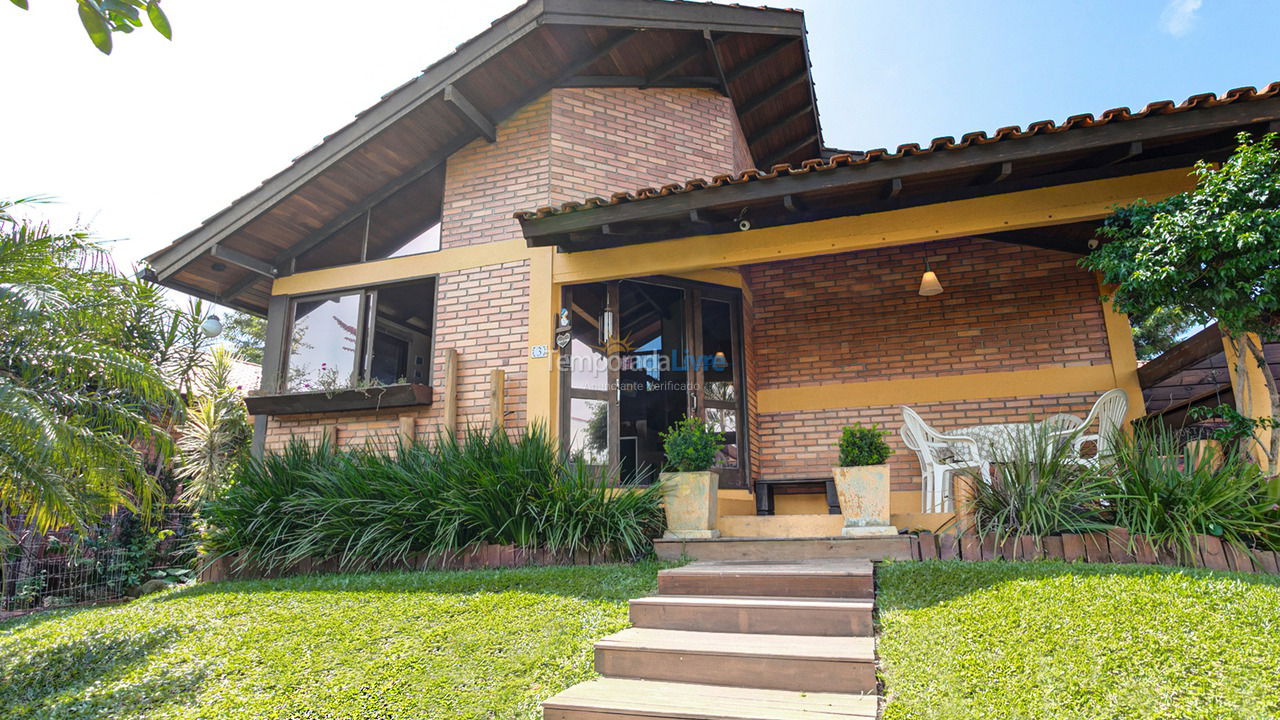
1211,253
1155,333
102,18
84,394
247,333
215,437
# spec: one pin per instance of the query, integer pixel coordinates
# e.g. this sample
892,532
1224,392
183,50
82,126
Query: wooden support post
329,436
451,391
497,397
408,429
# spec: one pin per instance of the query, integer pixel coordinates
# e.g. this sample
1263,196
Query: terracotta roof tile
977,137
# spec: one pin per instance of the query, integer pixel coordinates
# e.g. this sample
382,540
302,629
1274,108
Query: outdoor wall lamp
929,284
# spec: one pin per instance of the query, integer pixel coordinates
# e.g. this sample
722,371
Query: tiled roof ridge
979,137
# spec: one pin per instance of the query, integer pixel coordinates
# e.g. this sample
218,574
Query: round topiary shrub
691,446
863,446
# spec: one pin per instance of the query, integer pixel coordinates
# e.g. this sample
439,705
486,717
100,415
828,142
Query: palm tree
215,437
83,396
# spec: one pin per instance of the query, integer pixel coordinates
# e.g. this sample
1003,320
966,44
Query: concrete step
836,617
813,579
762,549
623,699
803,663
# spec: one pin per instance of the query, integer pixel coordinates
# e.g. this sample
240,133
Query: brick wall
857,317
567,145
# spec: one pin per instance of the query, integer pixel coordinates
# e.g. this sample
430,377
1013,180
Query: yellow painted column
1124,360
1249,386
541,402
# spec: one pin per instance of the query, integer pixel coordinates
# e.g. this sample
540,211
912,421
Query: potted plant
691,449
862,482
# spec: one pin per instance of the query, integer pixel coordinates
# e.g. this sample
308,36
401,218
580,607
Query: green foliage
1171,494
691,445
86,361
215,437
101,18
443,645
863,446
1158,331
1001,641
370,505
247,334
1209,253
1042,489
1236,430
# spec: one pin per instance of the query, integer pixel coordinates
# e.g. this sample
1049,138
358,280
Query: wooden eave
541,45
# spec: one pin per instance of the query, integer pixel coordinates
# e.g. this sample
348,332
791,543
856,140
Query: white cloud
1179,16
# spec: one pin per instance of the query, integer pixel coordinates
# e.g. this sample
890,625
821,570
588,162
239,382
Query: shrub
370,505
863,446
1171,494
691,446
1042,489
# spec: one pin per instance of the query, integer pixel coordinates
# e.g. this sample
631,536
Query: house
604,215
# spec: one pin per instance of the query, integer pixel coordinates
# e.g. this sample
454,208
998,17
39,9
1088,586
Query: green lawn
485,644
1050,640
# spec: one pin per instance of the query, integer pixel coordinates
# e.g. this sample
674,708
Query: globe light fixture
212,326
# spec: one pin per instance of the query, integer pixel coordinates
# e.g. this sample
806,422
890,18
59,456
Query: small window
406,223
377,335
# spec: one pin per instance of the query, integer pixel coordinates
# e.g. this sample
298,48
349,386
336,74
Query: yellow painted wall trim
544,298
402,268
1124,360
727,278
960,218
974,386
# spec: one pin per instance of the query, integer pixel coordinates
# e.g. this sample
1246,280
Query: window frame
365,330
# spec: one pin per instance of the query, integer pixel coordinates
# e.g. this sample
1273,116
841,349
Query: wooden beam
635,81
450,419
240,286
760,58
792,204
408,429
244,260
1202,345
469,112
497,398
715,60
773,92
782,154
782,122
675,63
895,189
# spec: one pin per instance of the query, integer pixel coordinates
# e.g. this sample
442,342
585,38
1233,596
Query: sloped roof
1170,130
757,56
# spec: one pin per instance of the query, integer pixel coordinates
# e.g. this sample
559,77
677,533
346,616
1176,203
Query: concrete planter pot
864,500
690,504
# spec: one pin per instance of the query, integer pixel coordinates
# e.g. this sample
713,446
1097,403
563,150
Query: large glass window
405,223
379,335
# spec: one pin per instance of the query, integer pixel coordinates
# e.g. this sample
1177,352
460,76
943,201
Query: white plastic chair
1108,412
940,456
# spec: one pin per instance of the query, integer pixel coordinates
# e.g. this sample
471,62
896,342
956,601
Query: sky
144,144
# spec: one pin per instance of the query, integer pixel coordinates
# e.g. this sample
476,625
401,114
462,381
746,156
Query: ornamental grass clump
368,505
1172,493
1041,489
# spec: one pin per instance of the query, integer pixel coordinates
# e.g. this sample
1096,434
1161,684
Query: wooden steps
739,641
814,579
781,662
763,615
794,549
622,699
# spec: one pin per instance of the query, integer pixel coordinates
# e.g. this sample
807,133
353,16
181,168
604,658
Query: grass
481,644
1051,640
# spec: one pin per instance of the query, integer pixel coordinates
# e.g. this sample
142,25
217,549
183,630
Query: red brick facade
857,317
567,144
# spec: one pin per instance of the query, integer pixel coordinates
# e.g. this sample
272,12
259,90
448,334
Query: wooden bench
766,488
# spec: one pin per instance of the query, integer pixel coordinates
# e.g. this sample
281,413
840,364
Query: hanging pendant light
929,284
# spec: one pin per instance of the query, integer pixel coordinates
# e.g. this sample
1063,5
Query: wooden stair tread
625,698
692,642
749,601
812,568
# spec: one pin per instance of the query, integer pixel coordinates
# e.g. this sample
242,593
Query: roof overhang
756,56
1162,136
